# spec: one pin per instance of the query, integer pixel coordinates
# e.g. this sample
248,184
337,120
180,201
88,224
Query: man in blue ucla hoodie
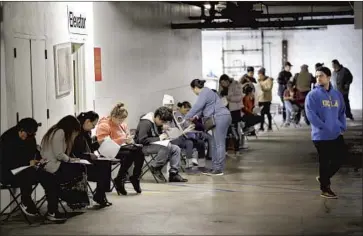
325,109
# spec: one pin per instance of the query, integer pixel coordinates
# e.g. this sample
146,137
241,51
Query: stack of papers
164,143
109,148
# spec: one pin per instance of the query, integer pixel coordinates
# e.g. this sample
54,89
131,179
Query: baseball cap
317,65
288,64
304,66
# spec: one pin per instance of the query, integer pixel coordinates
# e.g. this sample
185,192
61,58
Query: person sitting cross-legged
149,130
117,129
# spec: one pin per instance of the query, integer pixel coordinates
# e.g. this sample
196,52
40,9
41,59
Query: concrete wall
48,21
304,47
142,58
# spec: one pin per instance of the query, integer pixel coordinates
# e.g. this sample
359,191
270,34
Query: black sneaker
136,184
175,177
29,210
156,171
55,217
214,173
269,129
261,130
328,193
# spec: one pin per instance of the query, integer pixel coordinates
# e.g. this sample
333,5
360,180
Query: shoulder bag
210,122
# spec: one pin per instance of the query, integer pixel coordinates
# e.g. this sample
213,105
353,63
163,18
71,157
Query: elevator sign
77,22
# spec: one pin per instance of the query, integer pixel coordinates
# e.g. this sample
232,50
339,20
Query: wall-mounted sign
77,22
98,71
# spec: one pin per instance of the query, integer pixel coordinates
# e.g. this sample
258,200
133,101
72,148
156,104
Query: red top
249,104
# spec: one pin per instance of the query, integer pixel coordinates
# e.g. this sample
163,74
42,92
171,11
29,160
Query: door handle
40,124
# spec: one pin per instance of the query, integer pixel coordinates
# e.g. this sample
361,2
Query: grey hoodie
147,132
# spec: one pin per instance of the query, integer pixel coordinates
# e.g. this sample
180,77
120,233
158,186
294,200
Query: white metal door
39,85
22,78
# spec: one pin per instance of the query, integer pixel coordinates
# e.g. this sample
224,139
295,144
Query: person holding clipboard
115,127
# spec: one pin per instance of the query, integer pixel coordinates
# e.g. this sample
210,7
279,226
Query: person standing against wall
282,79
342,78
210,105
325,109
265,97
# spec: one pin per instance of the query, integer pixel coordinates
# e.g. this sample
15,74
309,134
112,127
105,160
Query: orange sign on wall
98,71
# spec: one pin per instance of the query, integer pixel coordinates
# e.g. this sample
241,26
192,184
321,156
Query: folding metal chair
41,202
146,168
15,199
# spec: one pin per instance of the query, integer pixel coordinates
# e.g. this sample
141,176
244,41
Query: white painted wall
304,47
142,58
49,21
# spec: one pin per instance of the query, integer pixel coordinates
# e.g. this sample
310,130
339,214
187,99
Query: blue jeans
219,141
290,108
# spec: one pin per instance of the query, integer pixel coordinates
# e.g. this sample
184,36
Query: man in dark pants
282,79
342,78
18,148
325,109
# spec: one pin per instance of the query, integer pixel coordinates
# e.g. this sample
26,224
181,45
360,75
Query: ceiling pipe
286,15
271,24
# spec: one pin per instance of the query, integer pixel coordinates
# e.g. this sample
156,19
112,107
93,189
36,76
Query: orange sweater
118,133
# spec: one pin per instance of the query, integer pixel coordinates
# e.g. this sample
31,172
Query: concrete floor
268,190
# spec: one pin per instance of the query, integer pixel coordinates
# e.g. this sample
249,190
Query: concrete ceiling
227,15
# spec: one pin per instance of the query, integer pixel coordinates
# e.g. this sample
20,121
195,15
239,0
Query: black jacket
15,152
147,132
83,145
282,79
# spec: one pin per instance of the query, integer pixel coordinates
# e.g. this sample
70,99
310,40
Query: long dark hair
69,125
89,115
184,104
197,83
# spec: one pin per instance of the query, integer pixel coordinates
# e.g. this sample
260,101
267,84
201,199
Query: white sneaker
195,161
189,164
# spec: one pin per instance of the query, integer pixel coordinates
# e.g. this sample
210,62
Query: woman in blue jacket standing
210,105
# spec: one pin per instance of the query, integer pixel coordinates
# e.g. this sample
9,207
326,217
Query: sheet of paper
164,143
174,133
107,159
19,169
109,148
256,110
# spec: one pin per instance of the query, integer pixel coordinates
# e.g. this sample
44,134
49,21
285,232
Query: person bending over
84,148
325,109
117,129
69,175
149,130
18,148
210,106
250,117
